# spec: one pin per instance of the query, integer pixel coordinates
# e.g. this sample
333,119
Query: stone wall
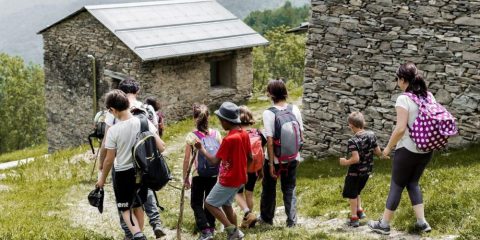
177,83
354,48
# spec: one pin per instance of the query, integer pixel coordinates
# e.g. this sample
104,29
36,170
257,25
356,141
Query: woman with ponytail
200,185
408,162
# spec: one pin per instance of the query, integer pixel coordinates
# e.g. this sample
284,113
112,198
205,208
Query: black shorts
252,179
125,187
354,185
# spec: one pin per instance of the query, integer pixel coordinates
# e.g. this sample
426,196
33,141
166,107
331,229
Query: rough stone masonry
354,48
176,82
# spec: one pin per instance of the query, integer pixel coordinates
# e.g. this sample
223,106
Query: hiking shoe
291,225
353,222
158,231
249,220
206,234
376,226
423,227
236,234
260,221
361,214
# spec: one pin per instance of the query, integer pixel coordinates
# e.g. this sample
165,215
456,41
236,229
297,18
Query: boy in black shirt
361,146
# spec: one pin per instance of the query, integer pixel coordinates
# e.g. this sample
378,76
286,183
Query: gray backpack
287,137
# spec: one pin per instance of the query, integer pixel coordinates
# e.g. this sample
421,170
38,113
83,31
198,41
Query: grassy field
35,151
34,207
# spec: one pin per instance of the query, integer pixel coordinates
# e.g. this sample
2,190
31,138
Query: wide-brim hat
229,112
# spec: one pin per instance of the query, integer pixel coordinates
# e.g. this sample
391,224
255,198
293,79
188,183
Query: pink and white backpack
433,125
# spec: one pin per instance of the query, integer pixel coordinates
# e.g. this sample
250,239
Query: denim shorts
222,196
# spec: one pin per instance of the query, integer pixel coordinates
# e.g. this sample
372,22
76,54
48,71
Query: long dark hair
200,113
416,84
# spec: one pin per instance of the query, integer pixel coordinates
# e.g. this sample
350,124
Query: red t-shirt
233,154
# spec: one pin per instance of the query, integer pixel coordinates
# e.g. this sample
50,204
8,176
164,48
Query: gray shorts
221,196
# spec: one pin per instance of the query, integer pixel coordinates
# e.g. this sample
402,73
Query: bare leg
388,215
359,204
218,214
126,217
419,212
249,198
242,203
353,207
232,217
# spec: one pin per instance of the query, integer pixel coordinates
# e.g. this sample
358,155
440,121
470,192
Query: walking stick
182,196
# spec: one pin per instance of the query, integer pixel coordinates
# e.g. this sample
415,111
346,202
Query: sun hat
229,112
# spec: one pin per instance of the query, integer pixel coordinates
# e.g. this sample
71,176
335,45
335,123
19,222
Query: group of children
226,169
242,161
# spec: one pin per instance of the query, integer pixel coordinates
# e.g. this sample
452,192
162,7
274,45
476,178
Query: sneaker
361,214
206,234
353,222
260,221
158,231
249,220
291,225
423,227
376,226
236,234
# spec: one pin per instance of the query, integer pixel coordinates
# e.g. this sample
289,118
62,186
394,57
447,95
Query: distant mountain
20,20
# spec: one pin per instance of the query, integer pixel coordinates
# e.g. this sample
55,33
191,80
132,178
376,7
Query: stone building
354,48
181,52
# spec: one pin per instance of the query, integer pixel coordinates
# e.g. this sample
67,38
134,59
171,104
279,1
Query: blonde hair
356,119
246,116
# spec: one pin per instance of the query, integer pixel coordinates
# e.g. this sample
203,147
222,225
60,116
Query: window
221,73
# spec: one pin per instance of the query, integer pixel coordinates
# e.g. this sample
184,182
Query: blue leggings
407,168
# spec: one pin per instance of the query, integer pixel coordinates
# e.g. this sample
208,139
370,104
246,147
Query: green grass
33,207
35,151
450,185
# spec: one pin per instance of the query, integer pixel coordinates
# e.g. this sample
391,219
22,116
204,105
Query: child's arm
355,158
212,159
159,142
107,166
186,162
378,151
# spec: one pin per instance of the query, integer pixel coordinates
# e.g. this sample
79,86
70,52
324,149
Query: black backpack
151,167
99,128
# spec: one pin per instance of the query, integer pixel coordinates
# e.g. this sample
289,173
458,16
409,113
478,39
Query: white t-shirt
269,124
408,104
121,137
110,119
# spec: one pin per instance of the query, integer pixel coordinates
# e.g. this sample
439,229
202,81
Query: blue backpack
204,168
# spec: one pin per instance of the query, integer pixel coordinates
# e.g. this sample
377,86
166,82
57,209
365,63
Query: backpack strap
199,134
143,124
273,109
290,108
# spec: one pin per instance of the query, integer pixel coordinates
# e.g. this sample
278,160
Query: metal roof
172,28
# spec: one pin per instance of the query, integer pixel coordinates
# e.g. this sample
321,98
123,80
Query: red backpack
257,150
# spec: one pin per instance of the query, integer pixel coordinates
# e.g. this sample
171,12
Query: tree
22,104
290,16
284,58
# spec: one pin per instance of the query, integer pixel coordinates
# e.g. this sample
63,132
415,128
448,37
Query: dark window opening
221,73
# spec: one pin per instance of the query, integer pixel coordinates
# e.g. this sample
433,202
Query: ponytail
416,83
200,114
